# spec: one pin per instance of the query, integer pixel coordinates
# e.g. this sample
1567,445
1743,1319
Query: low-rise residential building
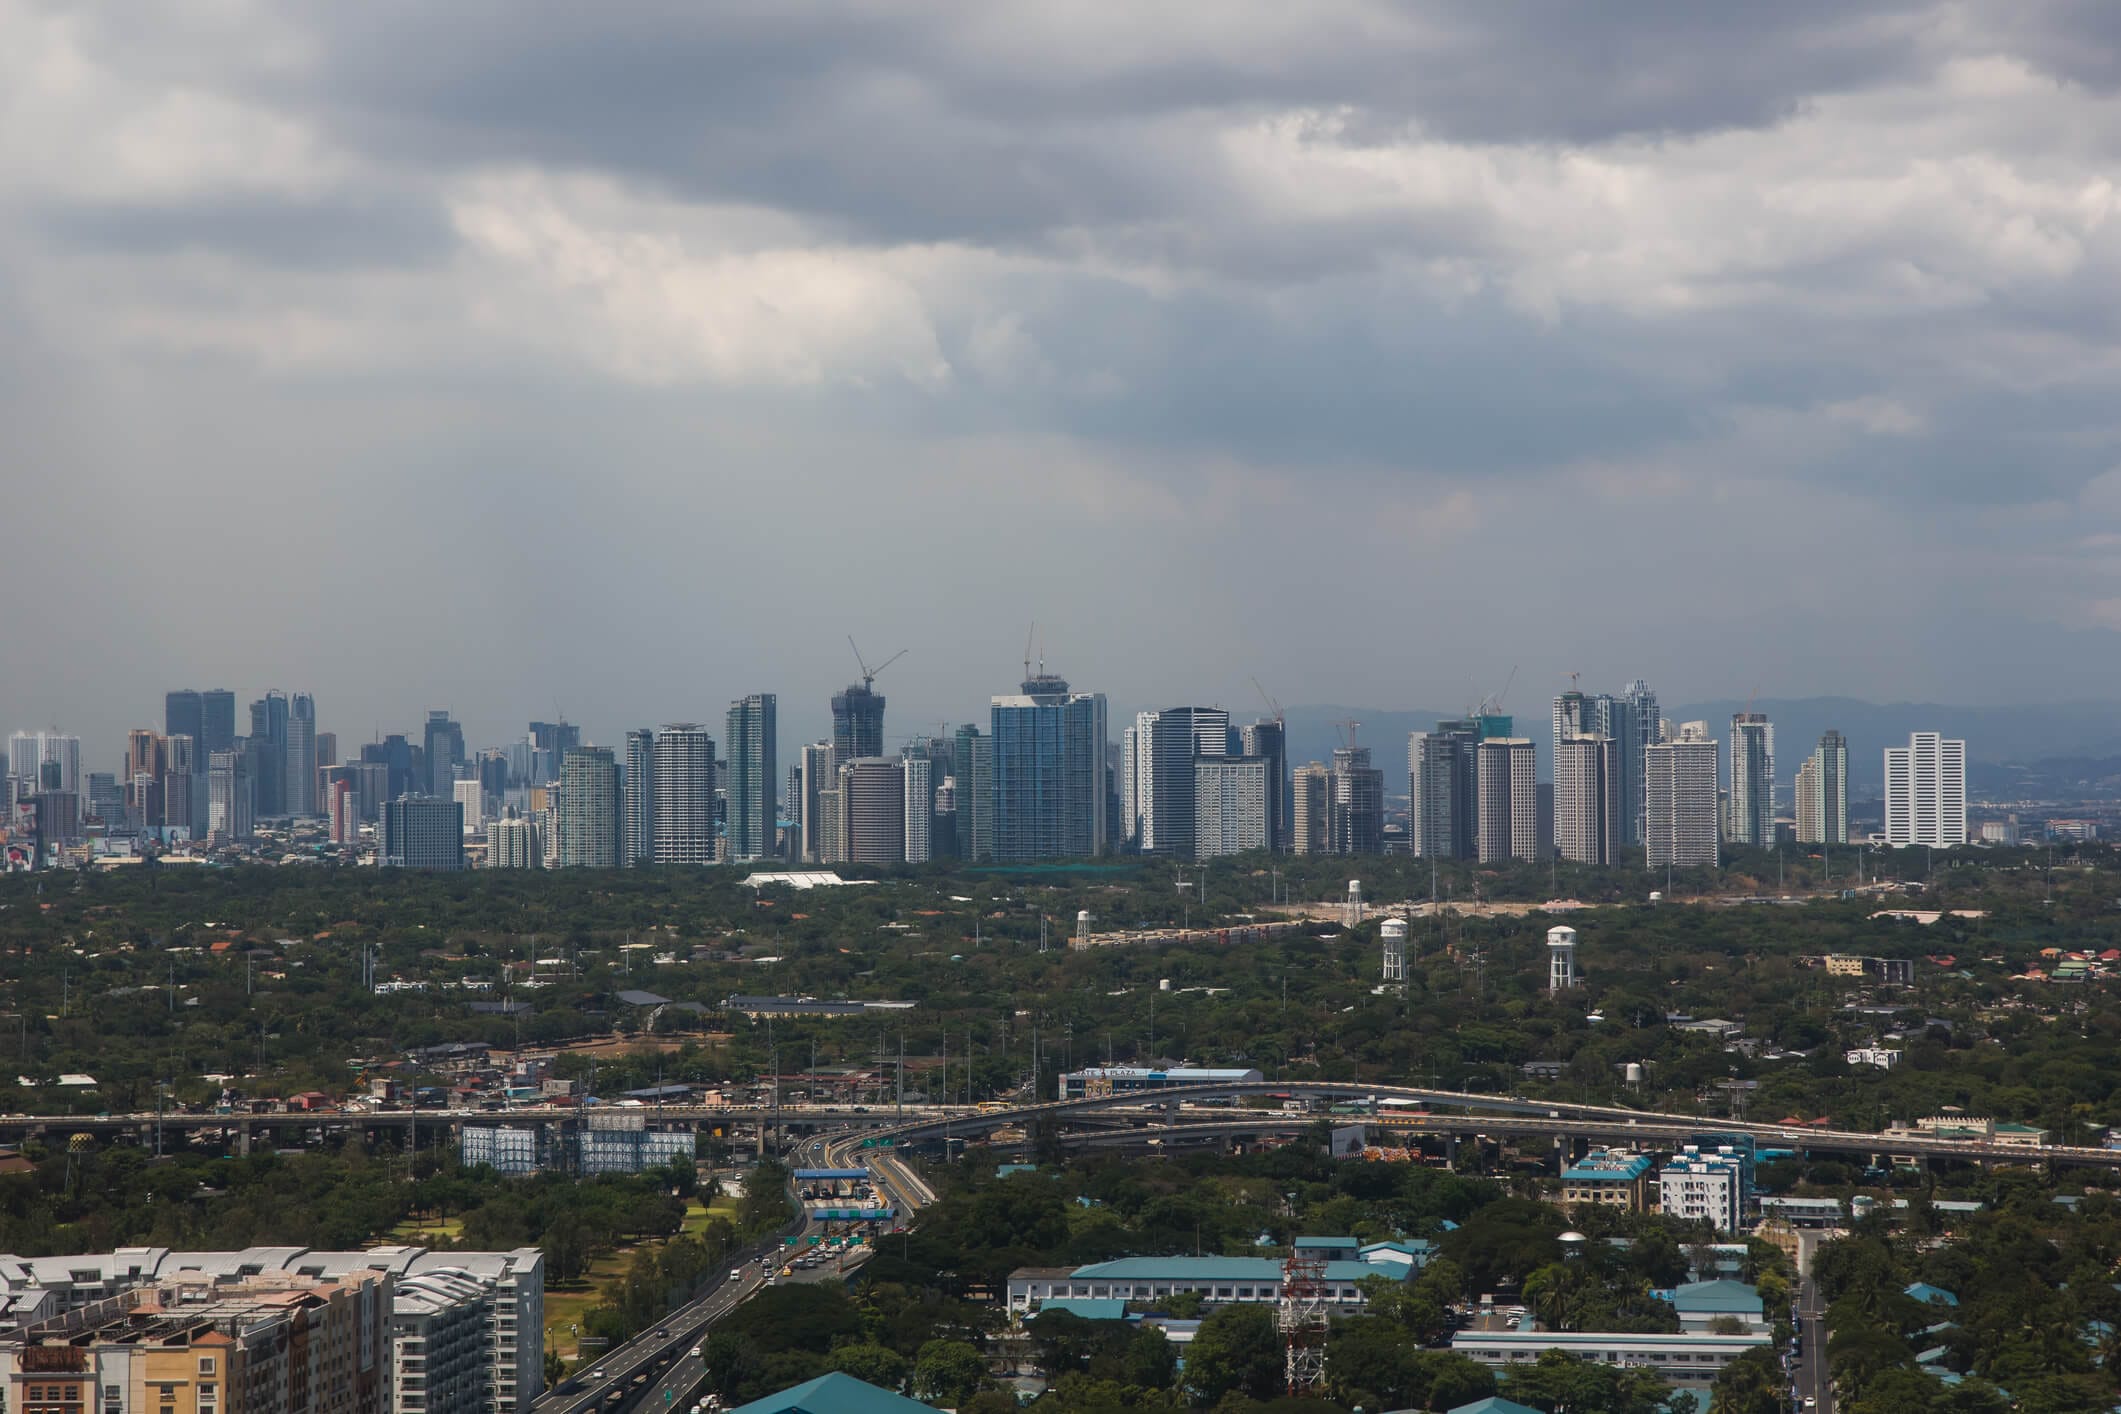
1703,1304
1883,1057
1689,1356
269,1344
1221,1281
1611,1178
1704,1185
1893,971
503,1291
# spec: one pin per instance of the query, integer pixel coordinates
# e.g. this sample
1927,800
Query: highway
1815,1389
657,1369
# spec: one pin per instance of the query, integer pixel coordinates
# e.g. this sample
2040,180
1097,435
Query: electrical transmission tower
1303,1323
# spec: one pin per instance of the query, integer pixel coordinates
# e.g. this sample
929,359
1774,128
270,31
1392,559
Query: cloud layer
629,356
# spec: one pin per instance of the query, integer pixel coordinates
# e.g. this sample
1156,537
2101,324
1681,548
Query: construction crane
1347,730
869,673
1492,706
1268,698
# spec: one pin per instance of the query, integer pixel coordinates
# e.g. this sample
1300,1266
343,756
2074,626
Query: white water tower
1561,959
1352,917
1082,929
1395,936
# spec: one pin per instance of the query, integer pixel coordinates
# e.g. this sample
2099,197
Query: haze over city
619,363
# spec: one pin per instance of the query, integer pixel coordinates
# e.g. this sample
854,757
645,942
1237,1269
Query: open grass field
566,1304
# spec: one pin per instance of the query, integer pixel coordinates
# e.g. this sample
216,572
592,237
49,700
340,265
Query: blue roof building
1613,1178
834,1394
1493,1404
1701,1303
1931,1295
1221,1280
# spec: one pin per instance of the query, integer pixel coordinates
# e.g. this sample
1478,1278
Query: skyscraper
1752,779
217,721
1586,800
1310,796
1050,784
1230,810
231,802
268,748
975,795
1508,770
1166,744
184,714
858,722
1269,741
592,830
1443,790
1644,719
1355,810
819,773
919,807
1925,791
1822,797
420,832
444,743
637,824
683,824
1679,800
301,776
754,777
181,783
873,810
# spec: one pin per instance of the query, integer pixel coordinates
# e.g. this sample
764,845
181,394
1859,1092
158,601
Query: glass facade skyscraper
754,771
1049,772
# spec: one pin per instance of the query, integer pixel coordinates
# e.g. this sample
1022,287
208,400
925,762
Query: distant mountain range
2046,749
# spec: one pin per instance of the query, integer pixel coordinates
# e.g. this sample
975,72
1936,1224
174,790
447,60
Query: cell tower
1303,1322
1395,936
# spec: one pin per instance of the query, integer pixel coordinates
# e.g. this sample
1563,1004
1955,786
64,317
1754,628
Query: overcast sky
621,359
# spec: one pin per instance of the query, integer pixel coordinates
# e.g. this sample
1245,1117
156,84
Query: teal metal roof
1717,1298
1102,1308
834,1394
1493,1404
1604,1166
1336,1243
1220,1269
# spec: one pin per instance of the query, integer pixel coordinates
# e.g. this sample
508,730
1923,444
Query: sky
619,360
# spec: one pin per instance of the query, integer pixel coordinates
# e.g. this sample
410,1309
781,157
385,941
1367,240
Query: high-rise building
327,749
1443,790
857,722
421,832
217,720
1230,809
831,825
231,799
28,753
1310,799
512,843
754,775
1586,800
1269,741
180,806
1355,810
444,744
1822,796
1508,815
268,752
1166,744
1631,722
819,773
471,795
1644,719
591,829
1925,791
872,801
975,795
1679,800
301,768
184,714
1752,779
637,842
682,829
919,808
1050,786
